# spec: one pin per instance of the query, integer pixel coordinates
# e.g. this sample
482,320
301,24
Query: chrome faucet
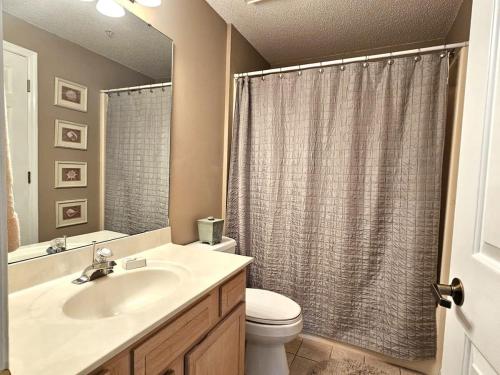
100,266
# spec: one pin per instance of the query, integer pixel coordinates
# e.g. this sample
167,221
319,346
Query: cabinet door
155,354
223,350
120,365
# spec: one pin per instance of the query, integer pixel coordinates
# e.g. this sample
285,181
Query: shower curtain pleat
335,188
137,161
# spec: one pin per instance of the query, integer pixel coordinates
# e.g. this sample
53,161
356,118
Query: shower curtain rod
135,88
444,47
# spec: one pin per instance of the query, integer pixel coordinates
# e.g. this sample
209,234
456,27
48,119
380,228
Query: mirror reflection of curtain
137,160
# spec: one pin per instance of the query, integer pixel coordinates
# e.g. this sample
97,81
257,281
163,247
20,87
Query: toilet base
266,359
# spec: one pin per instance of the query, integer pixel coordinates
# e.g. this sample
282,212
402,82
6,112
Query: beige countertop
44,340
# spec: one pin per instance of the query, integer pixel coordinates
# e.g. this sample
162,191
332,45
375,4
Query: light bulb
110,8
149,3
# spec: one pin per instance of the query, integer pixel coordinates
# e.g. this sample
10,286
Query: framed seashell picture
70,135
71,212
69,174
70,95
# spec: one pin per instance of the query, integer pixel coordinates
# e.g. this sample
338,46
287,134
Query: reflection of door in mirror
20,67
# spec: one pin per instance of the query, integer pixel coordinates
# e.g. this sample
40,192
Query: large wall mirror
88,101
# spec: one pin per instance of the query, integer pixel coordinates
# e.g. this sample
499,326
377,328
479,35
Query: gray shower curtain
335,187
137,161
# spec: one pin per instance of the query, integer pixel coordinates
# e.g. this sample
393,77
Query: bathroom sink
123,293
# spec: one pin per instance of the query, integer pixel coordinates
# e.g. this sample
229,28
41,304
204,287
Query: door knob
455,290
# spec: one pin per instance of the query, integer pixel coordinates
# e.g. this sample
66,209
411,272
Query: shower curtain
334,188
137,160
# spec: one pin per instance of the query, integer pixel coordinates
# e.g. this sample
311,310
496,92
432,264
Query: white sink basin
123,293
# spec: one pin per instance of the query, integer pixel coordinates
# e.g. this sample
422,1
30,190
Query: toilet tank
227,245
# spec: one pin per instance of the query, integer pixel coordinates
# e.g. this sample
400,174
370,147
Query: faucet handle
102,254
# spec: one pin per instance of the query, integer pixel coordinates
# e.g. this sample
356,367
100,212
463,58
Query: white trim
324,64
103,110
32,58
4,300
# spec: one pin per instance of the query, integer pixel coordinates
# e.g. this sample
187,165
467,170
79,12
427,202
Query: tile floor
304,353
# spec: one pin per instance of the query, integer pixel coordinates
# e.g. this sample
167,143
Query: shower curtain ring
417,58
443,54
321,70
391,60
262,75
365,64
281,74
342,66
300,70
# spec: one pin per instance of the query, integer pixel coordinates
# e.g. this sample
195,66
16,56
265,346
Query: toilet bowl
272,320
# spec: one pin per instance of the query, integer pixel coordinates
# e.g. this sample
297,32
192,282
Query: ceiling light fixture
110,8
149,3
253,1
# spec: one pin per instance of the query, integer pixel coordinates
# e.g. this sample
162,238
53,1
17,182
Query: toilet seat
269,308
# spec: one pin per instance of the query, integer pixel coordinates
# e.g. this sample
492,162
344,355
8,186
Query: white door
472,331
19,84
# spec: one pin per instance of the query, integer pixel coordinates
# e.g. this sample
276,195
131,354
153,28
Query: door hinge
28,85
29,177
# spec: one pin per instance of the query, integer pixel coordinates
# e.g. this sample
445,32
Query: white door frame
32,58
103,112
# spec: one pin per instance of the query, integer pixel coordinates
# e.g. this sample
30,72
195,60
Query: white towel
13,233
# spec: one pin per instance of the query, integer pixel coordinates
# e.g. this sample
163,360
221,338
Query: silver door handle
455,290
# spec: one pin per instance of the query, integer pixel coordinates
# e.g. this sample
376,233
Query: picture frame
71,212
70,174
69,134
70,95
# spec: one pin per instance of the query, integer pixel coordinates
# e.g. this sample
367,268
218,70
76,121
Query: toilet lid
266,307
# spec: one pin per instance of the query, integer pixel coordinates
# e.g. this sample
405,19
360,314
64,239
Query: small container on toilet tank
210,230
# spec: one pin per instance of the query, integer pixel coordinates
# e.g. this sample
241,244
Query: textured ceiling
294,30
133,44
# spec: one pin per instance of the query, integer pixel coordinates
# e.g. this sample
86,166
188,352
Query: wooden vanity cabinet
120,365
207,338
222,352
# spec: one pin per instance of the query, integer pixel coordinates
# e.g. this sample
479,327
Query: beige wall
61,58
241,57
198,114
460,29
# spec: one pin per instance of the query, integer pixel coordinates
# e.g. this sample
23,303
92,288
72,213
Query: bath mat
345,367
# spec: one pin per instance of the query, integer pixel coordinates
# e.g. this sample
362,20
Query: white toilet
272,320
